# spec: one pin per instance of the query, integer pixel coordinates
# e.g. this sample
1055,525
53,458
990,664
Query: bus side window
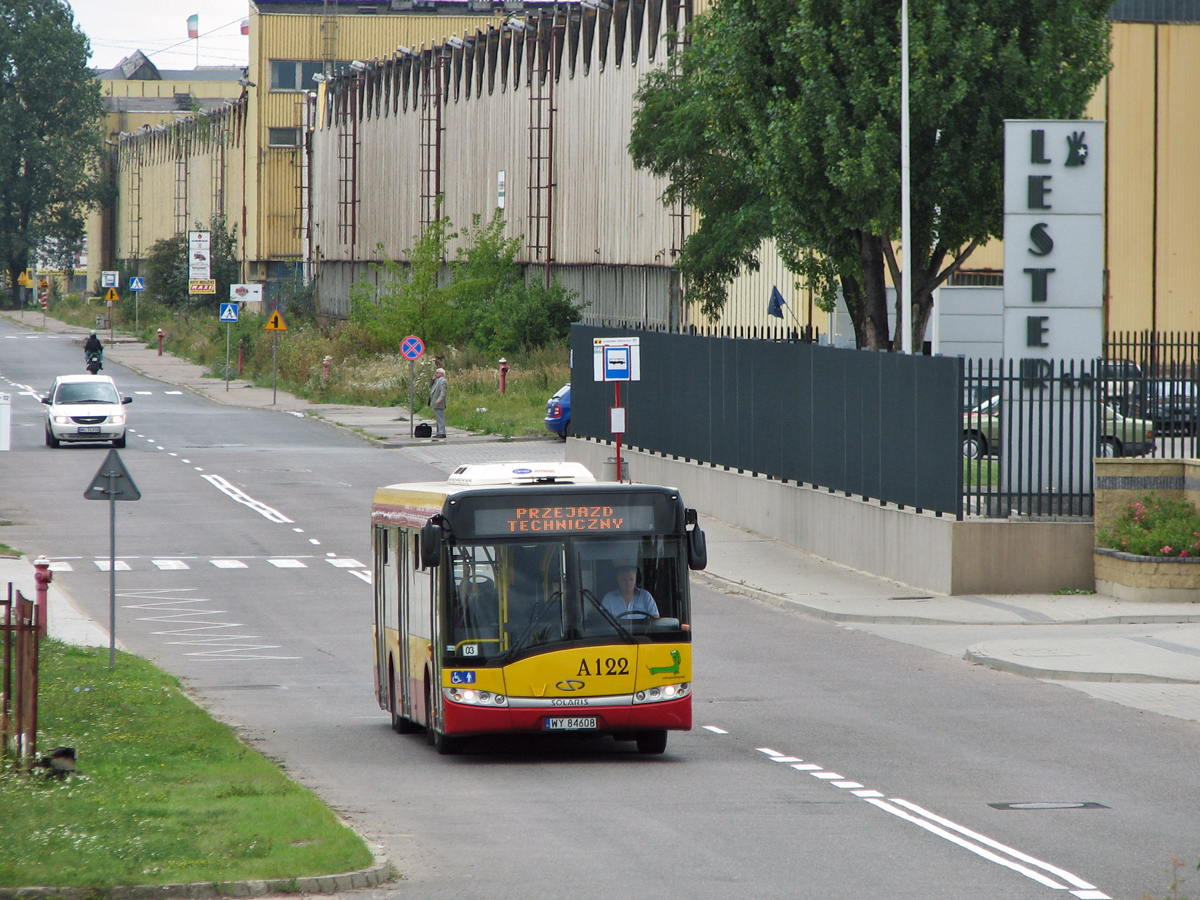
416,551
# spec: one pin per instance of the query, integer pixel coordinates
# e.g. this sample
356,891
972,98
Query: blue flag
775,304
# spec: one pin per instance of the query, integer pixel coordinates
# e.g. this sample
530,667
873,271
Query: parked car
1119,435
85,408
1170,402
558,412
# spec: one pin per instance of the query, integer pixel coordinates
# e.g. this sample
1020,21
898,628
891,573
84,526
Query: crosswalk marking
61,566
102,565
287,564
170,564
228,563
344,563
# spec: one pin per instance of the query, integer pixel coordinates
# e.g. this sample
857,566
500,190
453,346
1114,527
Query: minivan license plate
587,723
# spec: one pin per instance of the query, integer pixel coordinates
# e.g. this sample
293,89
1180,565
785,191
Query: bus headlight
666,692
472,697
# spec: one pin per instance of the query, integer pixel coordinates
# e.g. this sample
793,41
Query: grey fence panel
875,425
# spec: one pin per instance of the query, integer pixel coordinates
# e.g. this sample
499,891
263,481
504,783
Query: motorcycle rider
93,345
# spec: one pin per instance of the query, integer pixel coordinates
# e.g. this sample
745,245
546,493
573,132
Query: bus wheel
652,741
446,745
400,724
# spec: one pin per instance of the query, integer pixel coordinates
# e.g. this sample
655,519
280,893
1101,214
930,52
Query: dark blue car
558,412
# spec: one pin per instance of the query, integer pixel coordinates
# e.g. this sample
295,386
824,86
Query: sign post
229,315
617,359
112,482
412,348
275,324
5,421
137,285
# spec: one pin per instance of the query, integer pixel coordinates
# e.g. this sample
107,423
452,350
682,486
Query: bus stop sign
616,359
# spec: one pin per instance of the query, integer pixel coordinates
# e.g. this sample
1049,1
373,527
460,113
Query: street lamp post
905,312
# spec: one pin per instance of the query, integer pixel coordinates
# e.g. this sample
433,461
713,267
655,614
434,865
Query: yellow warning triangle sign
275,323
112,296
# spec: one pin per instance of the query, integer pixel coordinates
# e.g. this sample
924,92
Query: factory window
294,74
283,137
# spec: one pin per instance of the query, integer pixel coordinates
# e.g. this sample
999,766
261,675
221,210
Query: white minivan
85,408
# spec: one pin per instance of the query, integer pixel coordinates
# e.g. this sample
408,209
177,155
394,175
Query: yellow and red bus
498,608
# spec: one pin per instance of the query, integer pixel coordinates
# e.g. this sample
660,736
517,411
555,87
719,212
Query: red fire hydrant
160,337
42,577
504,369
325,363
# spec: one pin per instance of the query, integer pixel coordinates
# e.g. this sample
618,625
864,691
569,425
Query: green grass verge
163,793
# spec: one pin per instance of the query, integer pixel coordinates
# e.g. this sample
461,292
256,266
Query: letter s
1044,242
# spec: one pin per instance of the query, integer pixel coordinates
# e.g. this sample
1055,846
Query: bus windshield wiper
590,597
519,643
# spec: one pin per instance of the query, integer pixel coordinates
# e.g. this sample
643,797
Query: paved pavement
1144,655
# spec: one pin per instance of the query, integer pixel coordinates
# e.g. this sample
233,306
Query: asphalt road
246,559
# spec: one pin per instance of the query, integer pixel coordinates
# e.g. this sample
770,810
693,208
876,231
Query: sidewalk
1145,655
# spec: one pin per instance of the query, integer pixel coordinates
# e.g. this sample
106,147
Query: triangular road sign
112,471
112,296
275,323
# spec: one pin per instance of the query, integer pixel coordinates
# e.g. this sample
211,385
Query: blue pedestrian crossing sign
137,284
229,312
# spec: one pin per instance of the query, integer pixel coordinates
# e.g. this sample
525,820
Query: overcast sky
159,29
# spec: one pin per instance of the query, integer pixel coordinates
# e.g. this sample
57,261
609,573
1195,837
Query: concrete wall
929,552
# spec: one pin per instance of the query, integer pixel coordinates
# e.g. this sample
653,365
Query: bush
1154,526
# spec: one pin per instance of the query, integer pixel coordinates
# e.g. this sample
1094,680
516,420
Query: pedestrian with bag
437,401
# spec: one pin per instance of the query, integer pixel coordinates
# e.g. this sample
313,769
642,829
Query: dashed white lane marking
715,730
314,541
344,563
298,530
120,565
147,393
365,576
786,759
240,496
952,831
287,564
167,565
172,392
228,563
61,567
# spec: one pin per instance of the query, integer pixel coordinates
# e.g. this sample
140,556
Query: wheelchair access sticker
459,677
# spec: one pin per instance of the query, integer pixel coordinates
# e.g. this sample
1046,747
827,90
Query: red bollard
42,576
504,369
160,337
241,351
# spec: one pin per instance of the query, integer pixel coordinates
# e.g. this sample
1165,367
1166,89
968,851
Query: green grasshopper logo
667,670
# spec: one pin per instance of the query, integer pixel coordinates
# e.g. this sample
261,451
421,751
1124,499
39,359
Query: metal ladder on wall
218,181
181,188
135,203
347,114
431,137
541,152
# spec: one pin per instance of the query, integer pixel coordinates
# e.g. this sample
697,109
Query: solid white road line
967,845
237,494
1017,854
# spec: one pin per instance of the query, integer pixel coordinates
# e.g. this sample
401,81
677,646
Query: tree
51,140
782,120
481,298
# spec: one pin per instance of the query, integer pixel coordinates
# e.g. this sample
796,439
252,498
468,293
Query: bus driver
629,601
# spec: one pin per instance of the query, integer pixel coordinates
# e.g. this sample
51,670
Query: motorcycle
94,361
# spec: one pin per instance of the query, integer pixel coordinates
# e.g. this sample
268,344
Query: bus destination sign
560,519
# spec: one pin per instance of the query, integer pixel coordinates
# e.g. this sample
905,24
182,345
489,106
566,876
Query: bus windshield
506,600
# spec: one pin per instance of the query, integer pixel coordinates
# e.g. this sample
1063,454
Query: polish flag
245,26
194,26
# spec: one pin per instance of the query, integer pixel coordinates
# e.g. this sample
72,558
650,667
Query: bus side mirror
431,545
697,549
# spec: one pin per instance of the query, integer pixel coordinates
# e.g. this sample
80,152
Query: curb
378,873
735,587
1005,665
